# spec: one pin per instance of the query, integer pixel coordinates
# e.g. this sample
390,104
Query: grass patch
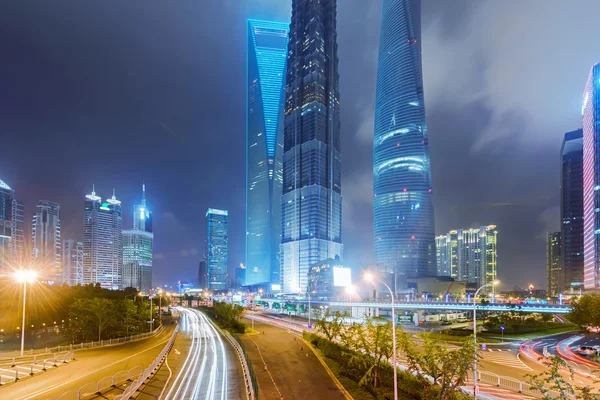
461,339
532,335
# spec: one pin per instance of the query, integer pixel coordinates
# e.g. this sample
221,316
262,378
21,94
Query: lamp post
369,277
24,277
309,325
475,386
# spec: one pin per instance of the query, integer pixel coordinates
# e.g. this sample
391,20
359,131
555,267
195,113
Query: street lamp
350,290
24,277
369,277
475,387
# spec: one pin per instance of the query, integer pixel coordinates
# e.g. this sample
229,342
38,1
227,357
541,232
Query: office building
553,263
468,255
591,179
72,262
102,241
6,228
312,192
18,233
137,259
329,279
203,274
267,52
404,237
138,248
217,241
45,237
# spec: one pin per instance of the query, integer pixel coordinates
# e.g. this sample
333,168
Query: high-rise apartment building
217,242
571,210
267,53
311,210
72,262
45,237
138,244
553,263
18,232
404,237
591,180
468,255
102,241
6,228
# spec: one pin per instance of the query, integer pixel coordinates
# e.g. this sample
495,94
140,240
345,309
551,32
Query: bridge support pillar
418,316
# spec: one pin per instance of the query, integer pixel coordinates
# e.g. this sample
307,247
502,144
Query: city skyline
461,198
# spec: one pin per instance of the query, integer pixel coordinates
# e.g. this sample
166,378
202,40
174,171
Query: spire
113,200
93,196
143,194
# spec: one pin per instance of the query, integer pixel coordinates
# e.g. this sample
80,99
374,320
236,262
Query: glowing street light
369,278
475,386
24,277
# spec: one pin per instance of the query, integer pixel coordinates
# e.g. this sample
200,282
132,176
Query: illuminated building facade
102,241
72,262
18,229
311,207
404,237
138,248
217,243
468,255
571,210
6,227
553,263
45,236
329,279
591,179
267,51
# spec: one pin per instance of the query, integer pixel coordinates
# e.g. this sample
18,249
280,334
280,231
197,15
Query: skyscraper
138,244
553,263
6,228
267,49
217,246
591,179
18,229
45,237
469,255
102,241
571,210
311,210
402,203
72,262
203,274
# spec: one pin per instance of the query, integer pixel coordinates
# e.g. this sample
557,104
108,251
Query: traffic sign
483,346
502,327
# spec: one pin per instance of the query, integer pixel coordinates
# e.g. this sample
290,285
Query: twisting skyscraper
267,49
311,209
402,204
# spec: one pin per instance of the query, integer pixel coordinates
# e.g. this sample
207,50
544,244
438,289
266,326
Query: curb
329,372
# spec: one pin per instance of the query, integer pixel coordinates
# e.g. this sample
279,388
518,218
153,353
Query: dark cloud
113,92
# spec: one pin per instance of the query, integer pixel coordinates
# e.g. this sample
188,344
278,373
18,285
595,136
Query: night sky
116,92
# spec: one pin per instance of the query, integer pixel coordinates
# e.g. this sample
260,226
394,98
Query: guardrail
13,355
516,385
136,375
249,377
21,371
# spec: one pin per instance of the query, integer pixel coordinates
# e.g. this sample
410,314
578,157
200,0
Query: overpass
432,305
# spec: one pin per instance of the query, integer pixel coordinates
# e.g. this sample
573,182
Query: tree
585,311
102,313
558,377
435,363
329,323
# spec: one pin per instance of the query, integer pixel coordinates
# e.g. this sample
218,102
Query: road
89,366
292,370
206,366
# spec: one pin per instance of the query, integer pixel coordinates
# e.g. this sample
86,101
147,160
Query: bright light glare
496,282
25,276
368,277
350,289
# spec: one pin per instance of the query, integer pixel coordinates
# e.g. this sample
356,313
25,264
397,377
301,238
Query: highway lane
207,371
89,366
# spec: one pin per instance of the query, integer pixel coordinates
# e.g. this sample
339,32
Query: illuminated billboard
342,276
275,287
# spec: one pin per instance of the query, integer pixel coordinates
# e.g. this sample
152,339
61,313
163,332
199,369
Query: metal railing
515,385
249,377
24,370
7,356
136,375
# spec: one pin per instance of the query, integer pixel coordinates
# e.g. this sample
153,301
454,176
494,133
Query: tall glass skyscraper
267,50
402,204
45,236
311,209
553,260
6,228
571,210
217,242
591,179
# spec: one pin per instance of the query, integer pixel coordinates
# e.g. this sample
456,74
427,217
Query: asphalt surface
202,364
292,370
88,366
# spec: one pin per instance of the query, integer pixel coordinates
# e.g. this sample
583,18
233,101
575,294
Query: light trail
203,375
